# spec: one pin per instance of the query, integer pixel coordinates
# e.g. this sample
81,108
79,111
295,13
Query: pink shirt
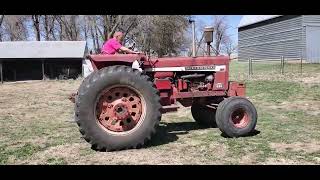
111,46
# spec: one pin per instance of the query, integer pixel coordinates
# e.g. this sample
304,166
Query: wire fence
272,69
277,66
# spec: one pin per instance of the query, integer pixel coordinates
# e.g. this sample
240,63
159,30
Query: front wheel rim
240,118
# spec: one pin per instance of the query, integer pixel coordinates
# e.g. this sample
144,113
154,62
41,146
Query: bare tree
108,24
14,27
111,23
1,19
220,33
84,27
89,31
164,35
69,26
36,25
101,27
48,27
55,29
97,37
1,29
229,46
201,46
60,29
95,47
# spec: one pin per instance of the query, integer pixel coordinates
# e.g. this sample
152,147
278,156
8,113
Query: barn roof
42,49
252,19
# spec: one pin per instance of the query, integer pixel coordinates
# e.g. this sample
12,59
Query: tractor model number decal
200,68
189,68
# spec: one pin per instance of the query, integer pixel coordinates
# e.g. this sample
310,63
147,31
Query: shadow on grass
167,132
253,133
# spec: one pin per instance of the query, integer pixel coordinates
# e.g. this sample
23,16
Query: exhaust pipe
193,37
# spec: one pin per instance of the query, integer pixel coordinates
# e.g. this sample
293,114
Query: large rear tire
117,108
203,115
236,116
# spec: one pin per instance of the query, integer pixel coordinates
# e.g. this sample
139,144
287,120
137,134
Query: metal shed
272,36
30,60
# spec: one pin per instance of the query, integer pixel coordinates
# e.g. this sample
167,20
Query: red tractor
119,105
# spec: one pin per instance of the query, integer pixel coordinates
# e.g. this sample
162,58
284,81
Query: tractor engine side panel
165,91
188,66
189,77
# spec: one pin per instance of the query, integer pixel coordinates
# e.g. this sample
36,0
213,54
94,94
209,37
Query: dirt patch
310,147
309,107
173,154
249,158
311,79
219,150
280,161
138,157
68,152
285,161
182,114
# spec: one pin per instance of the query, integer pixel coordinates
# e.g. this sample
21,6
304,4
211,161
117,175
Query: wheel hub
240,118
119,109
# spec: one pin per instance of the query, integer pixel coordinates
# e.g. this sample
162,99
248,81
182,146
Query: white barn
35,60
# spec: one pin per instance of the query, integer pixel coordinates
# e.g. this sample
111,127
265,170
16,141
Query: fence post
301,65
250,66
282,64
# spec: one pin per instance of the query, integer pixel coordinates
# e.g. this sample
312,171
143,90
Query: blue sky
233,21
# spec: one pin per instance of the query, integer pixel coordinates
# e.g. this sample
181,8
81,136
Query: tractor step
170,108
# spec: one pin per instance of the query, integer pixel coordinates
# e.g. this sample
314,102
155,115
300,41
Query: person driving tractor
113,45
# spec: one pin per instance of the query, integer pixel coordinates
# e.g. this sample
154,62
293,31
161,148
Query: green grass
313,92
56,161
35,119
273,91
18,153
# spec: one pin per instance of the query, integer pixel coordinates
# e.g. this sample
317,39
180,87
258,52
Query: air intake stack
208,37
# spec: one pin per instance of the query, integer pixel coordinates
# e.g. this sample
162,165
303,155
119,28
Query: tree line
160,35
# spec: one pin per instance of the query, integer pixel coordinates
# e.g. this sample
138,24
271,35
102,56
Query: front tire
117,108
236,116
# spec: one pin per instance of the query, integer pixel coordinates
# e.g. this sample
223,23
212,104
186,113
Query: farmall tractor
119,105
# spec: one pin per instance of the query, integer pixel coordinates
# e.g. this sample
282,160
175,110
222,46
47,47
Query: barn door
313,44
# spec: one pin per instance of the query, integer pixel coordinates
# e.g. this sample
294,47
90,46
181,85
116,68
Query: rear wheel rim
120,109
240,118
